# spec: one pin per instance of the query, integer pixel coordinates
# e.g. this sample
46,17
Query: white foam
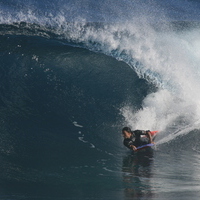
77,125
175,58
160,111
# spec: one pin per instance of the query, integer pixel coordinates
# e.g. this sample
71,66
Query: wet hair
126,129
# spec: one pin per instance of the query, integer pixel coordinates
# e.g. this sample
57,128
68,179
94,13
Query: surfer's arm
129,144
149,136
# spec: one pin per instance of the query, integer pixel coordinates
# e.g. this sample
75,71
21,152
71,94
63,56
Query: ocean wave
73,73
147,49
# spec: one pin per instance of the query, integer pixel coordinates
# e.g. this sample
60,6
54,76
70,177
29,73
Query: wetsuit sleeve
139,132
128,143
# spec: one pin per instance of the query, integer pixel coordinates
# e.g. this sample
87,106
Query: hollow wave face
163,52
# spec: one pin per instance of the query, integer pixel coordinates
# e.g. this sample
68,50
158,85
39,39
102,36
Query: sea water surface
73,74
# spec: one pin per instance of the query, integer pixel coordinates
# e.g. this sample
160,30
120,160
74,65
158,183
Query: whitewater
74,73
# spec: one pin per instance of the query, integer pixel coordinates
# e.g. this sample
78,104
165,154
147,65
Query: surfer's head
126,132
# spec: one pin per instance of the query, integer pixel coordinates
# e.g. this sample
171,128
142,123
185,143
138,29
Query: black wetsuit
136,139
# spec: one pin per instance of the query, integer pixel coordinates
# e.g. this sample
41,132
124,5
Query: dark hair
126,129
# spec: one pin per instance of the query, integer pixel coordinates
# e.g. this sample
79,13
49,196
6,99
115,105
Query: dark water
72,74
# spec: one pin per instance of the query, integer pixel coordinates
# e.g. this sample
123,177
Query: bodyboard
144,146
153,134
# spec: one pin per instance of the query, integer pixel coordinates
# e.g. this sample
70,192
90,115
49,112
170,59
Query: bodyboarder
134,139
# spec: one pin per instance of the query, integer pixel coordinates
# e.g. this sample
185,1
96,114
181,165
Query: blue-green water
72,74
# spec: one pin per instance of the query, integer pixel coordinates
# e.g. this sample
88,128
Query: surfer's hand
134,148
